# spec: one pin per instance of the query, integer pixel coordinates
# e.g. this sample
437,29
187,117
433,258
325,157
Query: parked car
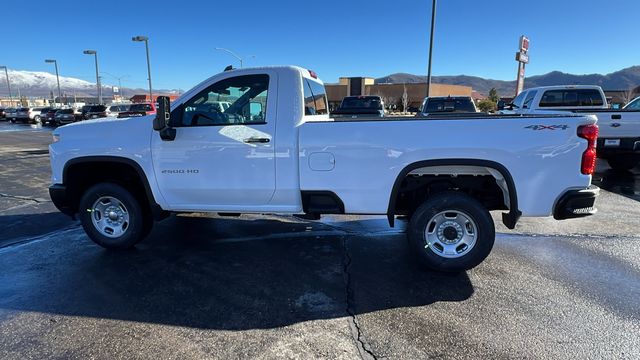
2,115
10,114
66,116
28,114
116,109
352,107
95,112
619,139
138,110
435,105
266,154
48,117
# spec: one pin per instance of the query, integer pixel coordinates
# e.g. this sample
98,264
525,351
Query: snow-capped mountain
42,84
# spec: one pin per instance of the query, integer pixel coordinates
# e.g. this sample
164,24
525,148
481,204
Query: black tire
137,226
432,256
623,163
36,120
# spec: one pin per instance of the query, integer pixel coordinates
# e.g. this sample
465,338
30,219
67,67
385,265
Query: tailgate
621,124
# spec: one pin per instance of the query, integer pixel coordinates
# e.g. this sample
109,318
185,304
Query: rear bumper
627,146
60,199
576,203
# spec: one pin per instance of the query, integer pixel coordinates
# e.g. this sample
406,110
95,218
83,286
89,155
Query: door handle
616,117
257,140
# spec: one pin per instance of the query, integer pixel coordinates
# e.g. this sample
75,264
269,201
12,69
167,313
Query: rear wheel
623,163
36,119
112,216
451,232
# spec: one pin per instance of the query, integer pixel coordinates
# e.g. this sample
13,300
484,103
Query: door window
240,100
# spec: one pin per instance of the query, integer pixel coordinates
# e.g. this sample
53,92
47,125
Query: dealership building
391,94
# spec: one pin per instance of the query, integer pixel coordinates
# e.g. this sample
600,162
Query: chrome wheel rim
451,234
110,217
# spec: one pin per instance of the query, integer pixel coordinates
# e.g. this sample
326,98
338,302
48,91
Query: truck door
222,157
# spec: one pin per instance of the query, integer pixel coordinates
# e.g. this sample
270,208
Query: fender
157,211
508,219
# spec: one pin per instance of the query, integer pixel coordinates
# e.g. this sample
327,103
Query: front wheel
623,163
36,120
451,232
112,216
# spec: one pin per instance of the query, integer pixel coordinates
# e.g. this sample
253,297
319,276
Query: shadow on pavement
14,228
230,274
625,183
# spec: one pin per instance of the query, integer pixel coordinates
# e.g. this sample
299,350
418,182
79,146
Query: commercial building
391,94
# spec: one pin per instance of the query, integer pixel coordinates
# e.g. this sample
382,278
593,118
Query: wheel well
79,176
488,182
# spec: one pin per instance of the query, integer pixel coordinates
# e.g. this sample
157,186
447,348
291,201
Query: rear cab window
571,98
315,98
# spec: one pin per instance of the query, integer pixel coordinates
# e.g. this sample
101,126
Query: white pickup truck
619,139
263,154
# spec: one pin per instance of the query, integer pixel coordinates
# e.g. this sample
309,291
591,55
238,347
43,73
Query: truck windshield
362,102
449,105
140,107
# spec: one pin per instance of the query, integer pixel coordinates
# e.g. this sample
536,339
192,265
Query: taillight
313,74
590,133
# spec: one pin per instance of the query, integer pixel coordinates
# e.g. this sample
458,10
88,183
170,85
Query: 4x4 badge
547,127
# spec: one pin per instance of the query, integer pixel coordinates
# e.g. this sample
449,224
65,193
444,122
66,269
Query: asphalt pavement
204,286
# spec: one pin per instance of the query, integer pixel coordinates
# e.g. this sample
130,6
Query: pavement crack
24,198
364,348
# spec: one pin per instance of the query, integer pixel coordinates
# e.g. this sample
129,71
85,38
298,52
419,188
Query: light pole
146,45
120,91
95,53
49,61
433,25
6,73
235,55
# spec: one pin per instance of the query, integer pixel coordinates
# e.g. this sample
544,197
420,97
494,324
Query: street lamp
146,45
49,61
95,53
6,73
433,25
235,55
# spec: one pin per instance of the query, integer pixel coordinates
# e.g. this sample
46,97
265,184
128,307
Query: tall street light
6,73
146,45
433,25
95,53
235,55
49,61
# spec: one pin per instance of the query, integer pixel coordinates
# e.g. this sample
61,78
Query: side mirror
163,114
501,105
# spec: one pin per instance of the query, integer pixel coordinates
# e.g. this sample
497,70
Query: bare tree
627,95
405,99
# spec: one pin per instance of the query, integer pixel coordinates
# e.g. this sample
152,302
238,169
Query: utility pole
433,26
95,53
6,73
57,77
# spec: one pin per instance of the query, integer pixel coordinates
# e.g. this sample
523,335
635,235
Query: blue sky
334,38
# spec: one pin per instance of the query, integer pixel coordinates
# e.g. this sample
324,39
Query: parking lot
203,286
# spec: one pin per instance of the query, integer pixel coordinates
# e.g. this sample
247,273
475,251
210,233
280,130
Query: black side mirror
163,114
501,105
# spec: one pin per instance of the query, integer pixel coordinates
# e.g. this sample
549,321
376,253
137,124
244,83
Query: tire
36,120
127,224
451,232
623,163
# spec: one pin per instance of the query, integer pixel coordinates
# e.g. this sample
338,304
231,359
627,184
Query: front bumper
61,200
576,203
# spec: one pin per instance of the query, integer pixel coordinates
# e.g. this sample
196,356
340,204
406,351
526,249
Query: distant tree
628,95
405,99
493,95
487,105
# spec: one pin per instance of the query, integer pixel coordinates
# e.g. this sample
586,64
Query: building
391,94
144,98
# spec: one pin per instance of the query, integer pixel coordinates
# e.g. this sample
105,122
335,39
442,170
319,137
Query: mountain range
624,79
42,84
